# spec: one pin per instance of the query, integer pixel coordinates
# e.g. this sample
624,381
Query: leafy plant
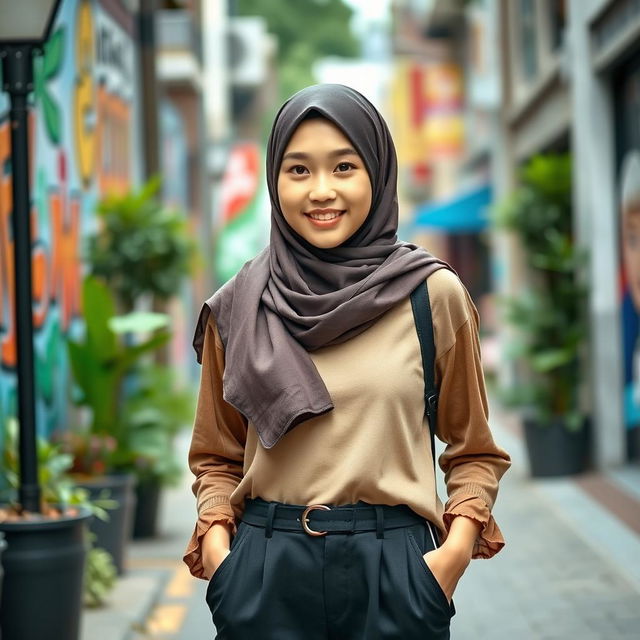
102,359
60,495
331,35
93,453
141,247
100,575
550,317
153,413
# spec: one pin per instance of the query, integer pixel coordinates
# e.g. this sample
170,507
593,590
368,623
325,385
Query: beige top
374,446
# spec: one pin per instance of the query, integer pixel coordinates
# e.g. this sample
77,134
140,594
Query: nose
322,190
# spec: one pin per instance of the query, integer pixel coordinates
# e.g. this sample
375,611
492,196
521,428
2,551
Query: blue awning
466,213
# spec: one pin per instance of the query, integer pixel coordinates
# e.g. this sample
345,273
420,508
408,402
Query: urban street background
517,127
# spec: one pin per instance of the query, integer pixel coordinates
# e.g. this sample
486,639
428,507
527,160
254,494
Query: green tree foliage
306,30
141,247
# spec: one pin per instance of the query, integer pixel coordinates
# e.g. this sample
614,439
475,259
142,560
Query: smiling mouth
331,215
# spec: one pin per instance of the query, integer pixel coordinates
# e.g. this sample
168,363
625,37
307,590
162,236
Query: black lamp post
24,28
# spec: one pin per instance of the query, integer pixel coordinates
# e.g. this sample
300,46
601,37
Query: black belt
320,519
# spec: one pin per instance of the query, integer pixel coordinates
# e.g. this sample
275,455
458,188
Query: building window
557,19
528,42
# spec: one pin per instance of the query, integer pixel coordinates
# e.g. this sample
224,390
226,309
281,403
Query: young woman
317,509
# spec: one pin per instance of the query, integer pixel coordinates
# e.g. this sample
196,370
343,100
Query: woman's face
323,185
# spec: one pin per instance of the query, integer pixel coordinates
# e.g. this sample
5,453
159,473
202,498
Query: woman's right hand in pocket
215,548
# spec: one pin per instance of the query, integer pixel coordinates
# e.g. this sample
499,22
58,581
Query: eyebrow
299,155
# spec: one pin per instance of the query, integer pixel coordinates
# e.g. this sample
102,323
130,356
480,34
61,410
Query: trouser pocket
236,543
271,588
412,603
431,579
223,575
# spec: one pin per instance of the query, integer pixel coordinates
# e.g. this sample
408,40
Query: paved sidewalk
570,570
548,583
153,568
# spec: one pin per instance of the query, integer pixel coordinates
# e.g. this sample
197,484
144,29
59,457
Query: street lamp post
24,28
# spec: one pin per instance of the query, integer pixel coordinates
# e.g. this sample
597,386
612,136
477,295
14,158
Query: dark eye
344,166
298,170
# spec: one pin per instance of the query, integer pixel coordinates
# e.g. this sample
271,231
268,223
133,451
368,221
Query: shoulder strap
424,327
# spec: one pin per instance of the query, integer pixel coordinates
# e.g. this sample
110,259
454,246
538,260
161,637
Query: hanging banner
442,109
242,220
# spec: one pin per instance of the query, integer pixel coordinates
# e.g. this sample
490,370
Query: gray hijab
293,297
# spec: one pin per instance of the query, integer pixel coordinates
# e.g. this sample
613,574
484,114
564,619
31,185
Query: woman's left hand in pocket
448,566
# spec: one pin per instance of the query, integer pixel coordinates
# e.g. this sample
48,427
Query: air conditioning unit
247,51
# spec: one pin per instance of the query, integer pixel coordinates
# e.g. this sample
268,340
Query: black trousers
365,585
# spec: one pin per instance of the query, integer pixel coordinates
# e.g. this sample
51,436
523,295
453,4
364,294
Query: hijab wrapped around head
293,297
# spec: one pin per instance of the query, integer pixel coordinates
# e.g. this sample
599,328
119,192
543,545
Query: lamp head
26,21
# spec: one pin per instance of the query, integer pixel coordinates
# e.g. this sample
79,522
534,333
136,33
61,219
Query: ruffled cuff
489,540
193,554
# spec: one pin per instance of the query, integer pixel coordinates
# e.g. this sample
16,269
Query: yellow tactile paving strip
167,618
181,584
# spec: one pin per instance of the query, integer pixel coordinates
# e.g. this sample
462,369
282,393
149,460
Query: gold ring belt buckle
305,519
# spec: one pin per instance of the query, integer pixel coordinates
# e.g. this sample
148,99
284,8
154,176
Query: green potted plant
100,362
548,318
141,248
99,576
46,561
3,546
145,251
153,412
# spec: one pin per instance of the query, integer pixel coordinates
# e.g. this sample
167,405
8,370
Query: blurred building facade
240,105
444,88
603,53
549,76
571,82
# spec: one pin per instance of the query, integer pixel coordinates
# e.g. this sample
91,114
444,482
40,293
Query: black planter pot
554,450
43,578
113,535
3,546
148,494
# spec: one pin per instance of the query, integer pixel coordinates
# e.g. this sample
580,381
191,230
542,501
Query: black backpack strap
424,327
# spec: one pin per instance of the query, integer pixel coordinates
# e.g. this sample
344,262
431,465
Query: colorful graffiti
81,148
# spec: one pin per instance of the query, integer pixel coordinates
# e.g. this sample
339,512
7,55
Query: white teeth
324,216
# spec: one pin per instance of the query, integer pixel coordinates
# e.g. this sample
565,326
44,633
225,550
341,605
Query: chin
326,244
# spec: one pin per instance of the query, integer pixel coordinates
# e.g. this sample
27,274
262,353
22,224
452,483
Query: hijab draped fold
293,297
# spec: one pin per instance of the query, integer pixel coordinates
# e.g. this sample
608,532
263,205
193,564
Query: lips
324,215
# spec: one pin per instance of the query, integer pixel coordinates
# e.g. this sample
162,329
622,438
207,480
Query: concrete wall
596,224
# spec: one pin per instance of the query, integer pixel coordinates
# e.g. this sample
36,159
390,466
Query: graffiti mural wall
83,145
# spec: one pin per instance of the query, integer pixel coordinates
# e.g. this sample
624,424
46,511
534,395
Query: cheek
285,194
363,195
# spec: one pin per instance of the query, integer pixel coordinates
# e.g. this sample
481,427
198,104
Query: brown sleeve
473,464
217,447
